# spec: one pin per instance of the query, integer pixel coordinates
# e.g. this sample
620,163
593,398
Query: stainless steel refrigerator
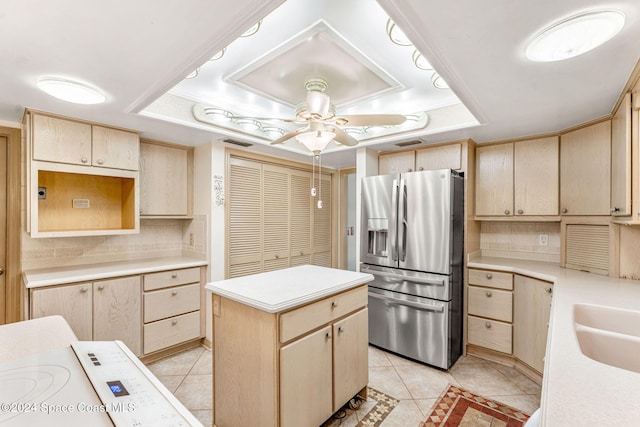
412,242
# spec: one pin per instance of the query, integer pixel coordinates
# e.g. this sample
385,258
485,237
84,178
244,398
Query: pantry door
3,227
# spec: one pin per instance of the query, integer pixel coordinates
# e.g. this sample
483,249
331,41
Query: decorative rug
383,405
459,407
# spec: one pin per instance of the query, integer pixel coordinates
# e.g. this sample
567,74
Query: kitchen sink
609,335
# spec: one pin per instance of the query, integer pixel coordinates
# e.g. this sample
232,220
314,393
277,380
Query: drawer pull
489,276
174,275
334,304
487,325
174,322
174,293
488,294
84,290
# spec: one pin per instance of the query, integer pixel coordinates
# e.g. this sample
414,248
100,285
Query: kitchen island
290,347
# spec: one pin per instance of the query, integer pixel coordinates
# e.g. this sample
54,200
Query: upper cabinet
621,159
518,179
585,170
166,180
61,140
82,178
439,157
400,162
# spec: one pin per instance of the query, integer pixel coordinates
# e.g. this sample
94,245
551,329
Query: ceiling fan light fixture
273,131
315,140
218,114
396,35
575,35
439,81
249,124
251,31
218,55
70,91
420,62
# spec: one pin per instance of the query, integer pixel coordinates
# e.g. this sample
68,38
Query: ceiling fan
319,121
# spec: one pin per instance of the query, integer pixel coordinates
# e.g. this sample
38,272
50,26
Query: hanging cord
320,181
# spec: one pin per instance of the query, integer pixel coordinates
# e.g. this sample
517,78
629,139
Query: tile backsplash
157,238
521,240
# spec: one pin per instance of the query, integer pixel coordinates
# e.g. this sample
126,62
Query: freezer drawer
416,283
418,328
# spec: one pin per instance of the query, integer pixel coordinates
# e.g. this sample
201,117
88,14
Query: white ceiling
139,53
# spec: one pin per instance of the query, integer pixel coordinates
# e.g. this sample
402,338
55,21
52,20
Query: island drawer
490,334
301,320
175,330
491,303
170,302
165,279
491,279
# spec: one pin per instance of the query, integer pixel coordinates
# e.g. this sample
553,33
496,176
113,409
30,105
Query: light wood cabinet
306,362
621,159
518,179
441,157
489,309
102,310
531,320
585,170
165,177
275,217
115,148
400,162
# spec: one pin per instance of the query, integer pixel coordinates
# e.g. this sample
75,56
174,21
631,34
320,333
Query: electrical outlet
543,239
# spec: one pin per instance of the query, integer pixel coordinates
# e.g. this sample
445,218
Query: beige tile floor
417,386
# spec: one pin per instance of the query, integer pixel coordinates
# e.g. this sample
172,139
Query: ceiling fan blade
318,103
342,137
286,137
371,120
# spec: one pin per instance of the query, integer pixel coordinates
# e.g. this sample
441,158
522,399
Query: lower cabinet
100,311
531,320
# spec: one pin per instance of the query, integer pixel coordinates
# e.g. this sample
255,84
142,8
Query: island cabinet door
306,380
350,357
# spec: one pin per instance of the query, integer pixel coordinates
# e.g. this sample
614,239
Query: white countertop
87,273
577,390
280,290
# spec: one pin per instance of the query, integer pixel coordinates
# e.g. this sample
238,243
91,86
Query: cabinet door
585,164
275,217
60,140
300,219
306,380
442,157
164,184
73,302
117,312
531,320
536,177
621,159
494,180
114,148
401,162
350,357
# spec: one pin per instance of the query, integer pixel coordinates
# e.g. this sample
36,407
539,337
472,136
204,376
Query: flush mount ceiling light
70,91
575,35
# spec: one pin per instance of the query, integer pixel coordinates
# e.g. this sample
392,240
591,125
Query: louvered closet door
321,253
300,218
275,217
245,213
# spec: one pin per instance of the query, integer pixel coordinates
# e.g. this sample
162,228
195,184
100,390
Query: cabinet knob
549,289
409,170
340,330
489,276
615,210
564,210
84,290
488,294
174,322
174,275
1,271
420,168
100,287
100,161
334,304
507,212
174,293
487,325
84,160
327,336
520,211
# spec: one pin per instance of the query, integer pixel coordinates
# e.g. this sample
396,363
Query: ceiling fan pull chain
313,177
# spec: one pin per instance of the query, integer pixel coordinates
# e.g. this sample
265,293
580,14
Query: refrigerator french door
411,241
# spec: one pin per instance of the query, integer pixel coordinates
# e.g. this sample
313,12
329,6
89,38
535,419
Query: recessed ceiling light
70,91
575,35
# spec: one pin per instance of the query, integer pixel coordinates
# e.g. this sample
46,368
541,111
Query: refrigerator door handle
394,222
402,234
402,278
416,305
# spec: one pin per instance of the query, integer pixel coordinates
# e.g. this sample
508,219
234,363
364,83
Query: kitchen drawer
165,279
492,303
170,302
175,330
299,321
490,334
491,279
